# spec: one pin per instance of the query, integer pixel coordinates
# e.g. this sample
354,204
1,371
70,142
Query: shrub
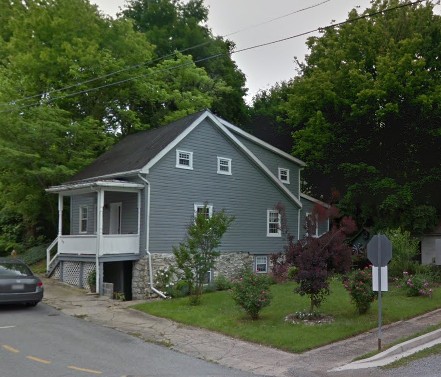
91,280
359,286
34,254
180,289
416,285
164,280
196,256
405,252
222,283
252,293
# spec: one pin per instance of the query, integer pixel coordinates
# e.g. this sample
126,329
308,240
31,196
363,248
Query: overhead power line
215,56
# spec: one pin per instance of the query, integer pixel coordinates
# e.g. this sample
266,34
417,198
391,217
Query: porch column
60,215
99,241
139,213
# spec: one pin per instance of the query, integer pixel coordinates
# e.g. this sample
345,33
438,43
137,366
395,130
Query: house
431,246
134,203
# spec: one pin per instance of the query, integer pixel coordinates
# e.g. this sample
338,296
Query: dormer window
284,175
184,159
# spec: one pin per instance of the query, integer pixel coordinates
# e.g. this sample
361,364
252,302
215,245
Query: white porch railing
87,244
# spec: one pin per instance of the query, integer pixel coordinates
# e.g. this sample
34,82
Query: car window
14,269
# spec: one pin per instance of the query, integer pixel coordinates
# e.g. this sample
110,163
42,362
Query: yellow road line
85,370
10,349
37,359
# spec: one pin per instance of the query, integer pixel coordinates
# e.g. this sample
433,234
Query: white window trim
279,231
202,205
190,160
287,175
228,160
266,264
82,208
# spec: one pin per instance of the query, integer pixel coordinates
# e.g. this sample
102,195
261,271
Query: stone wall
227,264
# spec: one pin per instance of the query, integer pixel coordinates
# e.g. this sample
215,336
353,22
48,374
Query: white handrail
48,254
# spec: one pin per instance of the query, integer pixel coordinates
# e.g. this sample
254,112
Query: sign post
379,252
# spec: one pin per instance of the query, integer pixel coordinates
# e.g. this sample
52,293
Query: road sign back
379,250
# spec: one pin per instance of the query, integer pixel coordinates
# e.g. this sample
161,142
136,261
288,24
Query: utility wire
223,54
156,59
276,18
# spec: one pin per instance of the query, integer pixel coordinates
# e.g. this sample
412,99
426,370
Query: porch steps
52,267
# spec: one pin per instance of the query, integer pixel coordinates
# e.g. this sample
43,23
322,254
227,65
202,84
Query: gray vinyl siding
88,200
247,194
129,212
273,162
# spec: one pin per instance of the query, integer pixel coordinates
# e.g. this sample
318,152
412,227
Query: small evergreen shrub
359,286
252,293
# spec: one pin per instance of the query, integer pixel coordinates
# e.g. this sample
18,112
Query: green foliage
365,112
251,292
222,283
221,314
174,25
34,254
69,90
91,280
359,285
405,249
165,280
196,256
416,285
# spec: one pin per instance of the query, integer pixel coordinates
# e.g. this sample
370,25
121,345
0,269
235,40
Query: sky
251,22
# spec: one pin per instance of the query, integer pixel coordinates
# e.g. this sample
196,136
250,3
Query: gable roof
135,151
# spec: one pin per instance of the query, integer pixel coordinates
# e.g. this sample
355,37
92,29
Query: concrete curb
396,352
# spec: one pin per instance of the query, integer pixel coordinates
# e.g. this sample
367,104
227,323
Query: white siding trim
310,198
261,142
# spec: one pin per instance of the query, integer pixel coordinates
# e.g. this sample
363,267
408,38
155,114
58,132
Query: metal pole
379,294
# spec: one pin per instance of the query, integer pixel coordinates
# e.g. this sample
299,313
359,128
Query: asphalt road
42,342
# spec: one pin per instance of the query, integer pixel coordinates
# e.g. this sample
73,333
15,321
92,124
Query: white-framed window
261,264
273,223
311,221
206,209
224,165
284,175
184,159
84,217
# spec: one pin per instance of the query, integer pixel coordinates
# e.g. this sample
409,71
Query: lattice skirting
74,272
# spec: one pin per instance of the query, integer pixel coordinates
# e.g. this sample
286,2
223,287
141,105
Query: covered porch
104,221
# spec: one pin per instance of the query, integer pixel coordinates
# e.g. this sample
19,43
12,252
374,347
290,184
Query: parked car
18,285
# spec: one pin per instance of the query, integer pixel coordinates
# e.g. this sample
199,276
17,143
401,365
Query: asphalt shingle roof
135,150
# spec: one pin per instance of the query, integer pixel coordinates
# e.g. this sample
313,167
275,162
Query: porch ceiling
85,187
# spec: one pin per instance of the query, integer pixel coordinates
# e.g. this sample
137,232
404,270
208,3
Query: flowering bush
251,292
359,286
164,280
416,285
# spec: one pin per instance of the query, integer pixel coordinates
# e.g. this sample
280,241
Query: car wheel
31,303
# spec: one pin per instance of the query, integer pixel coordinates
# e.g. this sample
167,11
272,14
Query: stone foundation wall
227,264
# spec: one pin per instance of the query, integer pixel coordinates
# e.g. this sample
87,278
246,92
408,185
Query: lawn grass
219,313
